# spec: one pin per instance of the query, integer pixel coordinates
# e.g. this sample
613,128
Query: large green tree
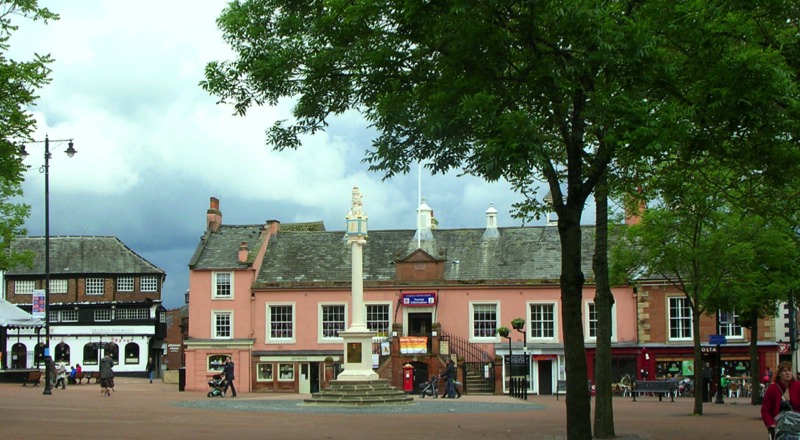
527,91
19,81
696,237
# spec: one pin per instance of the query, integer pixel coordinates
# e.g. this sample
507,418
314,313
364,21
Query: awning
13,316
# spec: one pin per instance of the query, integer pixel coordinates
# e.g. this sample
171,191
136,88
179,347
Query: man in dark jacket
227,371
450,377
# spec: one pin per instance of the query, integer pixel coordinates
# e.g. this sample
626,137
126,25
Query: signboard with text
419,299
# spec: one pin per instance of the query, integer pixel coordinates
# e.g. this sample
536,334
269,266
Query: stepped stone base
360,392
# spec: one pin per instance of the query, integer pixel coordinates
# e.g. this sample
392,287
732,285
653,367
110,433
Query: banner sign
419,299
38,304
413,344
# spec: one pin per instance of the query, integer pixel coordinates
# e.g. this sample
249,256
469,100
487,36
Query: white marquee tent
13,316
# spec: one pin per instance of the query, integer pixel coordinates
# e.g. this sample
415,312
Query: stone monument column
357,338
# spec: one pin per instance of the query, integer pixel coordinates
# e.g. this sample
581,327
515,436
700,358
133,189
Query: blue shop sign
419,299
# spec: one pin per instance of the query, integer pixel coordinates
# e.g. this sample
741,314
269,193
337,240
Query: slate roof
82,255
525,255
220,249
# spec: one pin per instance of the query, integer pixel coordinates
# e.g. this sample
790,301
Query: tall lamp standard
46,170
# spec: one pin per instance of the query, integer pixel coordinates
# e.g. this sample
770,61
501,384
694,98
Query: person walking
228,373
783,394
61,375
450,376
106,375
150,367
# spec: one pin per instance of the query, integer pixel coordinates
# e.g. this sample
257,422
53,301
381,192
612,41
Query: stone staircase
475,385
358,392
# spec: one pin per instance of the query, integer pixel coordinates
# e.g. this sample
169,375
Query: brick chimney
243,253
634,210
213,216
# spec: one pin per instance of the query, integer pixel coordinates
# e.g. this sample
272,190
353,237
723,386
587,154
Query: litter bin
182,379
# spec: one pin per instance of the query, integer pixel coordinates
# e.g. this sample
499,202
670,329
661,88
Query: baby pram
429,388
217,384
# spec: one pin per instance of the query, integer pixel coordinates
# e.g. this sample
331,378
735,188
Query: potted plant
517,323
503,331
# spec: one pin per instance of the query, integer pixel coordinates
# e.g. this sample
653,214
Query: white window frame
281,378
215,330
125,284
679,319
149,283
103,315
587,313
275,339
214,284
58,286
529,324
731,330
494,337
388,321
24,287
320,323
69,316
95,286
267,366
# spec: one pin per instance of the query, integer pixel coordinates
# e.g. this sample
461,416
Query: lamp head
71,149
22,151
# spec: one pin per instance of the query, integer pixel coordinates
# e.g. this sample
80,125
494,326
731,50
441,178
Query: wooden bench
88,375
655,386
33,378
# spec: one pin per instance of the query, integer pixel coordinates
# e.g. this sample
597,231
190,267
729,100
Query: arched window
112,350
90,353
38,354
62,353
131,353
19,356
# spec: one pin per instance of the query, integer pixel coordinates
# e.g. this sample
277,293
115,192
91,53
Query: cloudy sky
153,147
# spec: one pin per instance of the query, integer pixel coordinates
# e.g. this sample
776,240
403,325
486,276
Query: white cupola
491,223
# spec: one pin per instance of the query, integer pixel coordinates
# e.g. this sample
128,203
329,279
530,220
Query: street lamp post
46,170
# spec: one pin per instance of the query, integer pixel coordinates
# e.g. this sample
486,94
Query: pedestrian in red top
782,395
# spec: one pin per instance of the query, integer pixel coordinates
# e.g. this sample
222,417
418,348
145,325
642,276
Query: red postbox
408,378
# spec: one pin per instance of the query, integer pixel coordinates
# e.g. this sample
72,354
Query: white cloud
153,146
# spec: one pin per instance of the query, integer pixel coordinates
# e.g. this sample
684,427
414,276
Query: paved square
140,410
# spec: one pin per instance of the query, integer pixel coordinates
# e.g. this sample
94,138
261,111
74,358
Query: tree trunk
579,424
698,352
755,374
603,301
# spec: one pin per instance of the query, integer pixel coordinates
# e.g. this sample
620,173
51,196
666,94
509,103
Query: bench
655,386
88,375
33,378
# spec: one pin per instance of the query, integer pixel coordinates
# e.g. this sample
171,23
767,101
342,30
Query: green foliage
19,81
548,91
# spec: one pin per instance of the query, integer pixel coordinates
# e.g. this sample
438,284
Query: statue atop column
357,207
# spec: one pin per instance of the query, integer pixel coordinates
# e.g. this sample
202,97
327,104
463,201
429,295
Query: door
305,378
420,324
545,377
19,356
315,377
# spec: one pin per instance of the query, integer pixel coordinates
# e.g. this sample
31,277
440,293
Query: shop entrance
545,377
